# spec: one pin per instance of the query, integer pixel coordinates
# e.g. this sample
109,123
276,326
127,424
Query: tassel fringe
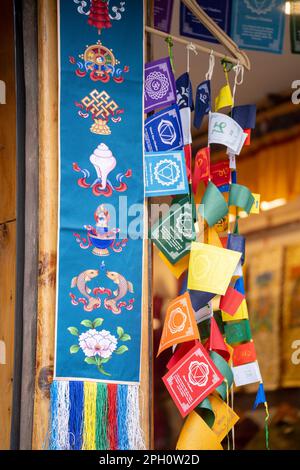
94,416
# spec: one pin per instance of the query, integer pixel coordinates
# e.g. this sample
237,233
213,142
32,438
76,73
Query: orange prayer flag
180,324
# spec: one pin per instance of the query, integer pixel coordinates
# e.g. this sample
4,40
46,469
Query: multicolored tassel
94,416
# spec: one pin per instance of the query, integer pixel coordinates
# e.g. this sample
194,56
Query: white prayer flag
224,130
246,374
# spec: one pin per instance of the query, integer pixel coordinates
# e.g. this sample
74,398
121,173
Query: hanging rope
190,47
238,79
211,66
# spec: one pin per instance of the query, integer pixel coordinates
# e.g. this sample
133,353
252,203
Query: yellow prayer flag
225,417
255,209
196,435
211,268
224,98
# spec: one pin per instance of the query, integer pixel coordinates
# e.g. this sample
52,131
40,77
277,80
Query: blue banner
218,10
258,25
100,254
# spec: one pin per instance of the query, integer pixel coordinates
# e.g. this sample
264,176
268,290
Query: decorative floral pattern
98,346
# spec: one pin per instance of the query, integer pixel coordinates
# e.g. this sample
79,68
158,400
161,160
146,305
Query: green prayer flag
204,409
175,231
241,196
214,206
238,332
225,370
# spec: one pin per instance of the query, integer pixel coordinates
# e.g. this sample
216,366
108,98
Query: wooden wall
7,219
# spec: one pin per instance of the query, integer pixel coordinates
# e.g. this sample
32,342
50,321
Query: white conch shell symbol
104,162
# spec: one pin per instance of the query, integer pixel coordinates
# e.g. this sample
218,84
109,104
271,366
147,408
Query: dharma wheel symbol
198,373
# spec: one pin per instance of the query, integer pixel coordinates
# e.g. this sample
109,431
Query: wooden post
7,219
48,201
48,195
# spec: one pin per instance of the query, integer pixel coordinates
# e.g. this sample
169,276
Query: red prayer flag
244,354
180,352
216,342
231,301
188,160
202,167
220,173
248,139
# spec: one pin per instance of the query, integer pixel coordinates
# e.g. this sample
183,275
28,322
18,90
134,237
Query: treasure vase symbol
100,238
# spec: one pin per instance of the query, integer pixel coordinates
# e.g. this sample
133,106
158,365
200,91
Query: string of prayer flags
201,168
180,324
192,379
224,130
246,374
240,314
174,232
240,196
202,103
231,301
165,174
237,243
186,105
160,88
211,268
197,435
213,205
237,332
245,115
244,353
216,342
163,131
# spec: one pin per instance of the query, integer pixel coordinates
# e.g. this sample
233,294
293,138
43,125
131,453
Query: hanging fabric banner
258,25
99,288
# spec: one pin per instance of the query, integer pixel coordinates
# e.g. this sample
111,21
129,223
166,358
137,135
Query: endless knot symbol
198,373
157,85
100,104
166,172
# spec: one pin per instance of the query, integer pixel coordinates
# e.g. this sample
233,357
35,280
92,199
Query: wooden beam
31,222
